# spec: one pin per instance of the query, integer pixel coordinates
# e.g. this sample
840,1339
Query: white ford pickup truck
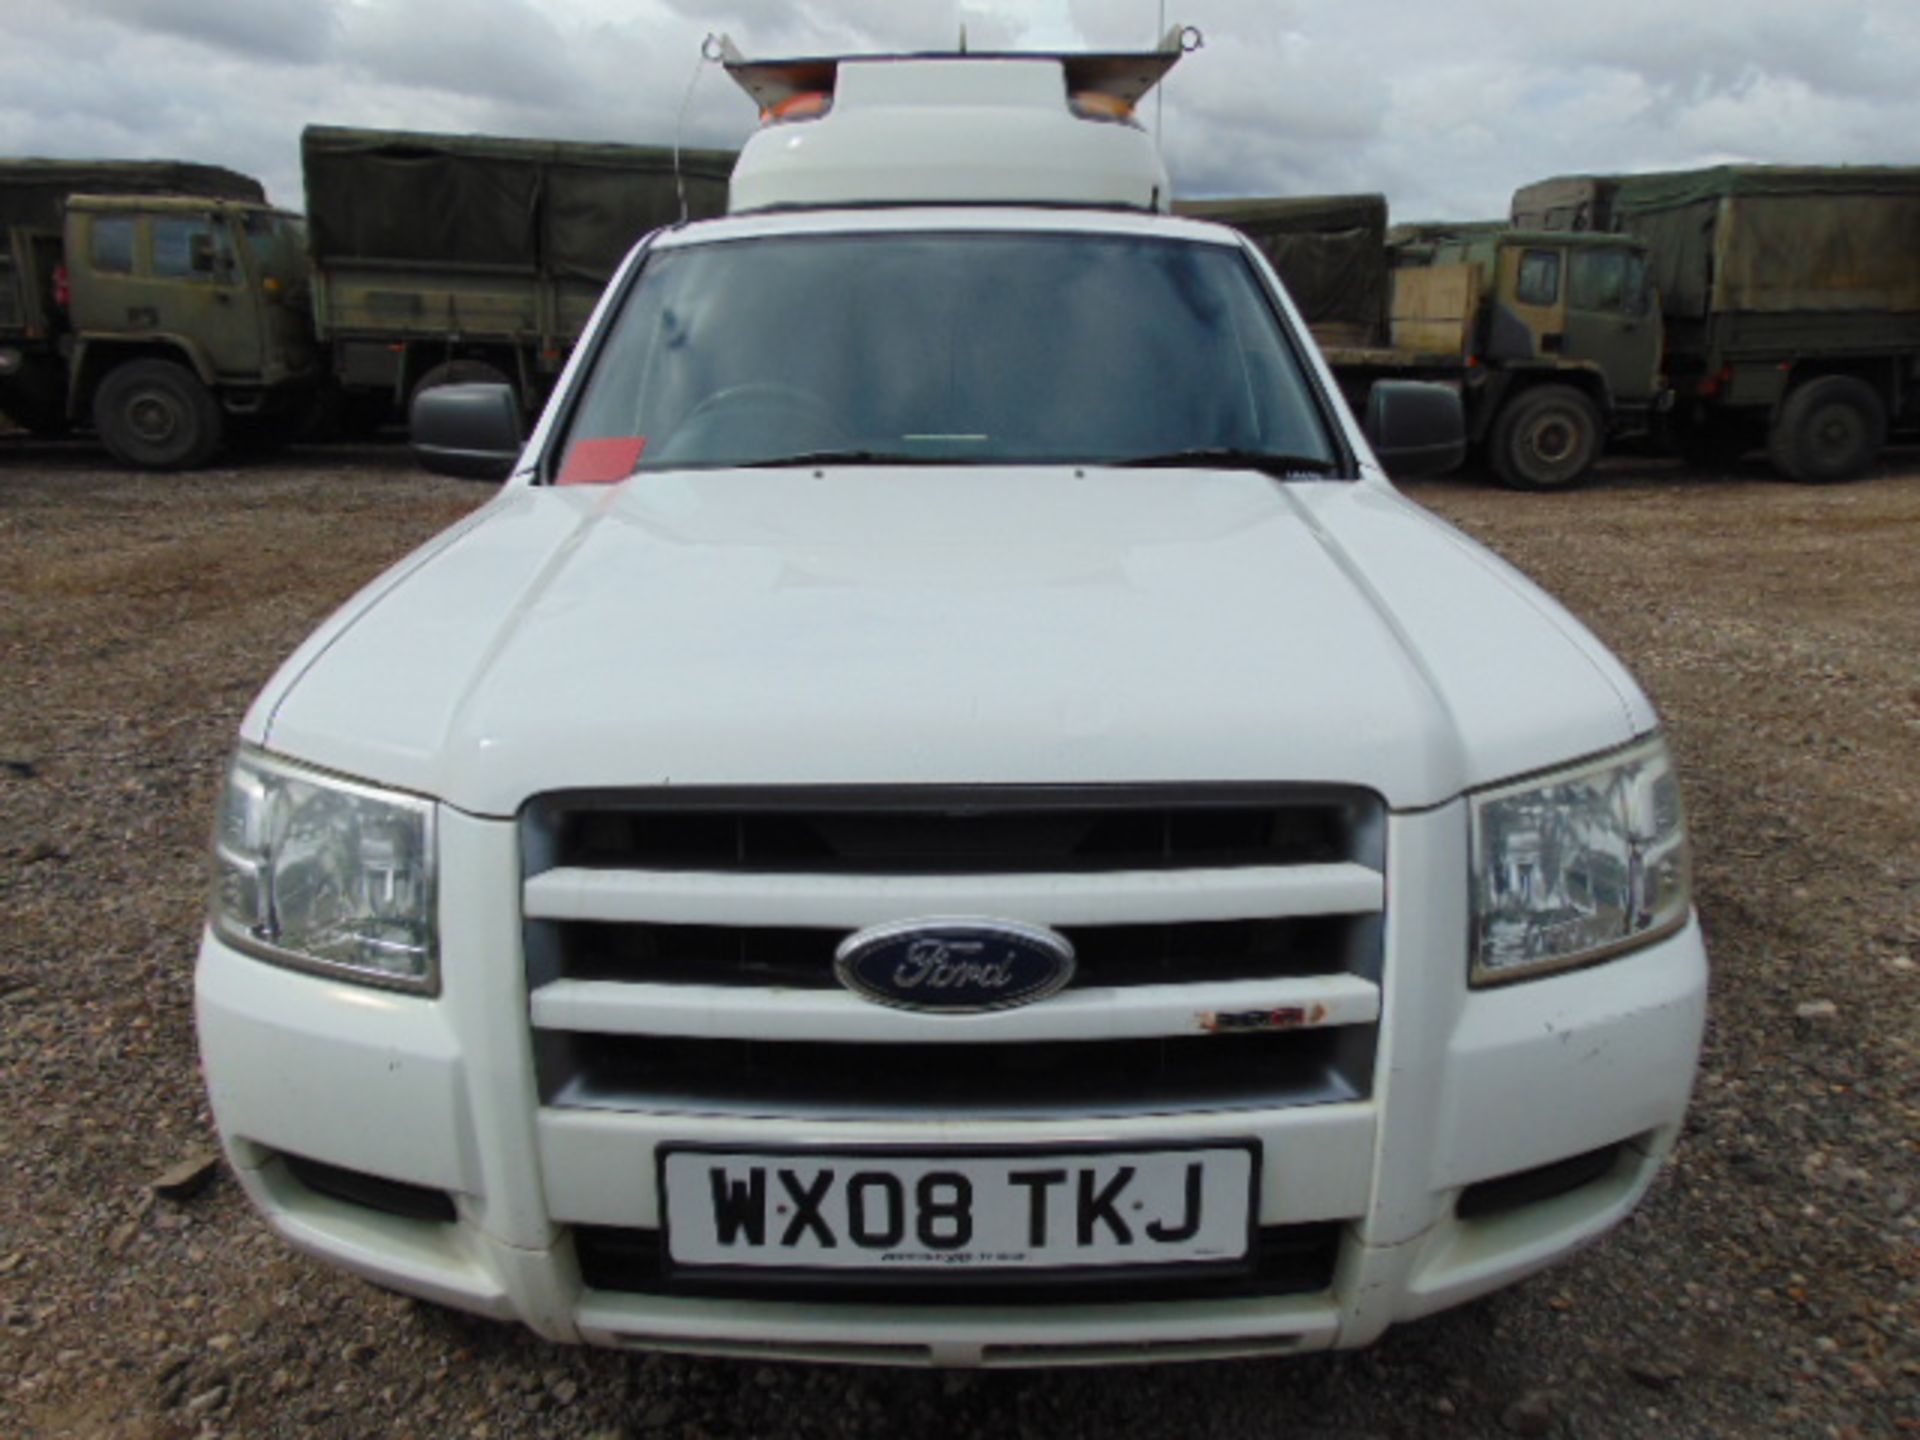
949,813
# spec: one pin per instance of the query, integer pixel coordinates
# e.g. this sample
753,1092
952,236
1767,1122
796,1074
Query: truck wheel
1546,438
1829,429
156,415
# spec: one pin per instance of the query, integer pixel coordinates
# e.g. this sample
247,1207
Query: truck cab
948,813
1562,335
37,273
187,321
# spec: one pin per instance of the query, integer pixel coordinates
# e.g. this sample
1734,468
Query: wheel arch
1509,383
94,359
1881,372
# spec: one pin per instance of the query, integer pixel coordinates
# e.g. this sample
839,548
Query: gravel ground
1771,1286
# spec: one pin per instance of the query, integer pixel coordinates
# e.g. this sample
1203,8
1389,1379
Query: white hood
948,625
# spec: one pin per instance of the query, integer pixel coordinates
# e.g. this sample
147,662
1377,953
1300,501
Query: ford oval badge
954,966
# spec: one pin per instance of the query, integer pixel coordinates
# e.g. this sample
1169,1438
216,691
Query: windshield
947,348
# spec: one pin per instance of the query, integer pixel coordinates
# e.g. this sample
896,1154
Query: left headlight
1574,866
326,874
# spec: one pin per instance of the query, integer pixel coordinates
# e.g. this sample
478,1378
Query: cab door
197,287
1612,322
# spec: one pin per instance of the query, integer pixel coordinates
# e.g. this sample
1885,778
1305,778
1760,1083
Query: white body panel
971,626
756,631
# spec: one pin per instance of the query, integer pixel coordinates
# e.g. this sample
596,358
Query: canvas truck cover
33,192
1566,202
1777,239
528,206
1329,249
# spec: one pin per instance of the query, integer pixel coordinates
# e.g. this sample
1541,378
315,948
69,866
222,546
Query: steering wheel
756,418
764,394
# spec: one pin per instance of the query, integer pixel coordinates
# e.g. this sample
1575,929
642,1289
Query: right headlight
1576,865
321,873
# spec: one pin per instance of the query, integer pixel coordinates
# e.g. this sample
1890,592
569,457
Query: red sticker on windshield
602,462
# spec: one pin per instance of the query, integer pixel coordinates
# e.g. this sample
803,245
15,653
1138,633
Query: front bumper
440,1094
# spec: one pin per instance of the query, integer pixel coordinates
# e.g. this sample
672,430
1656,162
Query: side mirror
472,431
1415,427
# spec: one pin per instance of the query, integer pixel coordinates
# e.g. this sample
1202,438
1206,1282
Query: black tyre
1829,429
155,415
1546,438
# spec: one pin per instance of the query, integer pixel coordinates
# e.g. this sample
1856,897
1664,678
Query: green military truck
172,308
162,301
1552,339
1791,298
442,258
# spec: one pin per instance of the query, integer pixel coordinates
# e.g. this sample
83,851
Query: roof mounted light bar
1102,84
965,127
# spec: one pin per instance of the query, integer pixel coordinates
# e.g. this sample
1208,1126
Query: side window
1539,282
1598,280
113,244
191,247
1639,289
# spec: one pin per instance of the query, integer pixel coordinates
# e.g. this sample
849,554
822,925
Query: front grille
1250,900
1287,1260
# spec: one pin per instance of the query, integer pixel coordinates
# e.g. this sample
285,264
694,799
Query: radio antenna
1160,95
712,50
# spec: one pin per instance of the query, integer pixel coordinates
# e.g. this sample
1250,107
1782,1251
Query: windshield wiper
1227,457
849,457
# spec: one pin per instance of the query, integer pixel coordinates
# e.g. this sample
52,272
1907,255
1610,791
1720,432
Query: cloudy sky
1445,107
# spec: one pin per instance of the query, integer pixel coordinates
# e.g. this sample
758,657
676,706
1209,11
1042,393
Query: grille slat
603,1007
1106,955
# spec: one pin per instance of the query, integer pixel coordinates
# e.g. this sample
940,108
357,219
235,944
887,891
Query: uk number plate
889,1211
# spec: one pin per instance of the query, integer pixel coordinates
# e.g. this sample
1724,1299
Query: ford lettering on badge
955,966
